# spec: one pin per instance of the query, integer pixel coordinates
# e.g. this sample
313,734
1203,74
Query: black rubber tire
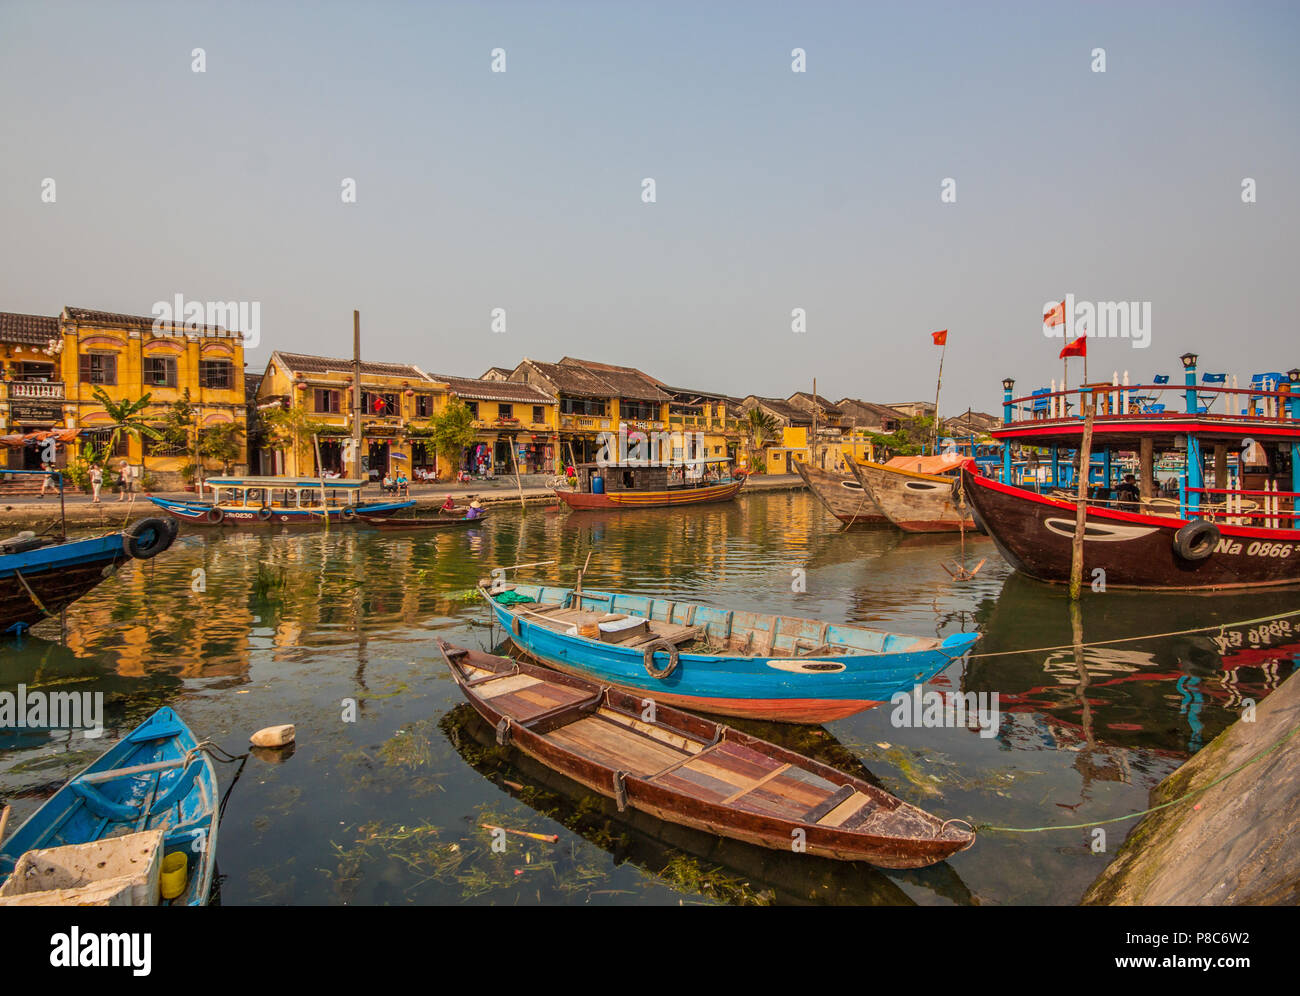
146,538
1196,540
348,514
214,516
648,658
264,513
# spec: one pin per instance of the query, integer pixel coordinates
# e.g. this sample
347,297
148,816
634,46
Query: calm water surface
386,809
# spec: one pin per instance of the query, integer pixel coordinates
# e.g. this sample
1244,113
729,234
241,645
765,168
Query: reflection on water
243,630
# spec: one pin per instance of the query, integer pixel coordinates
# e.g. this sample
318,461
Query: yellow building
52,367
508,416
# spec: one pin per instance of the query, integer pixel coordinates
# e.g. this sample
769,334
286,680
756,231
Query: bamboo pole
937,386
518,480
1081,507
356,394
315,442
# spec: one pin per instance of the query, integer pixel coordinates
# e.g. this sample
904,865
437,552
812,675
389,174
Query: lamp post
1293,375
1008,384
1194,475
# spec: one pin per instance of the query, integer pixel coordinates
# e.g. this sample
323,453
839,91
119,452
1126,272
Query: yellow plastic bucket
173,875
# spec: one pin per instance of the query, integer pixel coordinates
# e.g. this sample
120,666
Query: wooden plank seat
616,746
524,698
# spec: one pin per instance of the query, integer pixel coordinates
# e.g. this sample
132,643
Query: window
642,411
216,374
473,408
583,406
539,414
423,405
326,401
505,411
98,368
160,371
34,371
379,404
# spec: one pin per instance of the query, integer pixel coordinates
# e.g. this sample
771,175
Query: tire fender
1196,540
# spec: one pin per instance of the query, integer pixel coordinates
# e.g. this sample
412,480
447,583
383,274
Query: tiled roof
496,373
569,379
805,400
782,409
89,317
625,382
869,413
34,330
305,363
476,389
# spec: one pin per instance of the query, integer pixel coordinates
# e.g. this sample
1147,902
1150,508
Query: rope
31,594
1164,805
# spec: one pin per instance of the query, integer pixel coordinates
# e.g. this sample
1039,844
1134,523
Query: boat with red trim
279,501
634,485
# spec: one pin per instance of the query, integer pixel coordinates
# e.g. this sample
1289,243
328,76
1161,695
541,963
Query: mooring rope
1164,805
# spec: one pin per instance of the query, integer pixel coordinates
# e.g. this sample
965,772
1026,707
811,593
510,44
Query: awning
22,439
928,464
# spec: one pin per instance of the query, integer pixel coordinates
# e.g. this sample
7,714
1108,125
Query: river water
383,803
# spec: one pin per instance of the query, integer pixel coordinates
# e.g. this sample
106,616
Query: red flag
940,338
378,404
1056,316
1077,348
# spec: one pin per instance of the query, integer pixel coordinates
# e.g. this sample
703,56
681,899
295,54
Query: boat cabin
598,478
284,492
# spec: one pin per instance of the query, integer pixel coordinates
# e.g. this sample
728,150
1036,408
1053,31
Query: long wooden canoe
843,495
913,500
394,522
684,769
156,778
724,661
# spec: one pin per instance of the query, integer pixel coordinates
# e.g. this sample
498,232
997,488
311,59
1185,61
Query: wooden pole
320,470
812,452
937,386
1081,507
356,394
1147,466
518,480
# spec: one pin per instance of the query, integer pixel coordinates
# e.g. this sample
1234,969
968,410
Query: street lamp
1294,375
1009,382
1189,361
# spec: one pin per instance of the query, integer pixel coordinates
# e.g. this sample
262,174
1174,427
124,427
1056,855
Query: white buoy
273,736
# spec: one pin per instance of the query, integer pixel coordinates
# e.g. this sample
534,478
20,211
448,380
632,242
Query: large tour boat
1228,520
279,501
636,486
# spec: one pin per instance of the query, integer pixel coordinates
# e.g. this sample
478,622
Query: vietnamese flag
940,338
378,404
1056,316
1077,348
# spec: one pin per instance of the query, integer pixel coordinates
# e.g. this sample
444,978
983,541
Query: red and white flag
1055,315
940,338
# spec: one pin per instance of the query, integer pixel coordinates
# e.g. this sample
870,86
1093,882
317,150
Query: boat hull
200,514
843,495
745,795
652,499
1036,534
189,823
776,687
56,575
914,502
387,523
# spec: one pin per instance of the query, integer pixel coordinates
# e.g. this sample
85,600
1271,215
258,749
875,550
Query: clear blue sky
776,190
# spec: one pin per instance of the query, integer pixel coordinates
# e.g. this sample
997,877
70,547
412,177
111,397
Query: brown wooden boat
842,494
685,769
914,497
419,521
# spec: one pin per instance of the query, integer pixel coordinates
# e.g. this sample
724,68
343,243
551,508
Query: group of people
397,485
126,480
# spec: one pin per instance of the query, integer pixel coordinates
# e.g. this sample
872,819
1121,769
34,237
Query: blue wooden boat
721,661
278,501
156,778
41,575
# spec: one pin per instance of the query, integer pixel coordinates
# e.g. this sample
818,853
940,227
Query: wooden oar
4,823
549,838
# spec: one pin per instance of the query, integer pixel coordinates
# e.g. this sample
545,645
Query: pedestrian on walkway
51,478
96,481
127,476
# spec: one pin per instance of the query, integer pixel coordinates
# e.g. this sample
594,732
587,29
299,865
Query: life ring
214,515
648,657
1196,540
147,538
348,514
264,513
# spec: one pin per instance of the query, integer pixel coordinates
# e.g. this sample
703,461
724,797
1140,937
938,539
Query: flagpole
937,386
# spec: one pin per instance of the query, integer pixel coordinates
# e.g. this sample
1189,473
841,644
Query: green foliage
221,442
292,429
453,429
759,429
912,434
178,425
128,418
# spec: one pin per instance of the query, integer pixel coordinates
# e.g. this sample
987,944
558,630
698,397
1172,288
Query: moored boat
723,661
278,501
684,769
41,575
637,486
156,778
843,495
918,494
395,522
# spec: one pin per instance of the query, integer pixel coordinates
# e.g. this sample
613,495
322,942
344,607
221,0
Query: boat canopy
937,464
284,482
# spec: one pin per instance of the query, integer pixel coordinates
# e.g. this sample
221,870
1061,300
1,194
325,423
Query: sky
774,190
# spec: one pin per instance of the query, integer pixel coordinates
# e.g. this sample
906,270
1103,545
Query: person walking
96,481
50,479
127,475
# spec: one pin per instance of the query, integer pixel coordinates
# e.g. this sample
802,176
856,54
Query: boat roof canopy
284,482
693,461
936,464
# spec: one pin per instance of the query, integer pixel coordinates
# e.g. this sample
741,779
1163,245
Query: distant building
509,415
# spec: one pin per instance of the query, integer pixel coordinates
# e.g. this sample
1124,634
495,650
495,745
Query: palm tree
759,428
127,419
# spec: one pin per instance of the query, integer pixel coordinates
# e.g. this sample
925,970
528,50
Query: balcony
31,390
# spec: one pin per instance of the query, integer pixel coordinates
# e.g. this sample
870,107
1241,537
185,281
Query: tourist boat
394,522
41,575
686,770
156,778
918,494
1241,531
635,486
278,501
722,661
843,495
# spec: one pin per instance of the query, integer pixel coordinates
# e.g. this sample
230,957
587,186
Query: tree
221,442
759,428
178,433
907,440
292,429
126,418
452,430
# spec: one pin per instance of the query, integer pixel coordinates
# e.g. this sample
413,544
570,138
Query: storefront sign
36,411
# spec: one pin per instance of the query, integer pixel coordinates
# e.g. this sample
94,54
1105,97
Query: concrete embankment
37,513
1233,844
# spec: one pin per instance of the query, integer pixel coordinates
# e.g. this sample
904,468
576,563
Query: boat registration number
1260,548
